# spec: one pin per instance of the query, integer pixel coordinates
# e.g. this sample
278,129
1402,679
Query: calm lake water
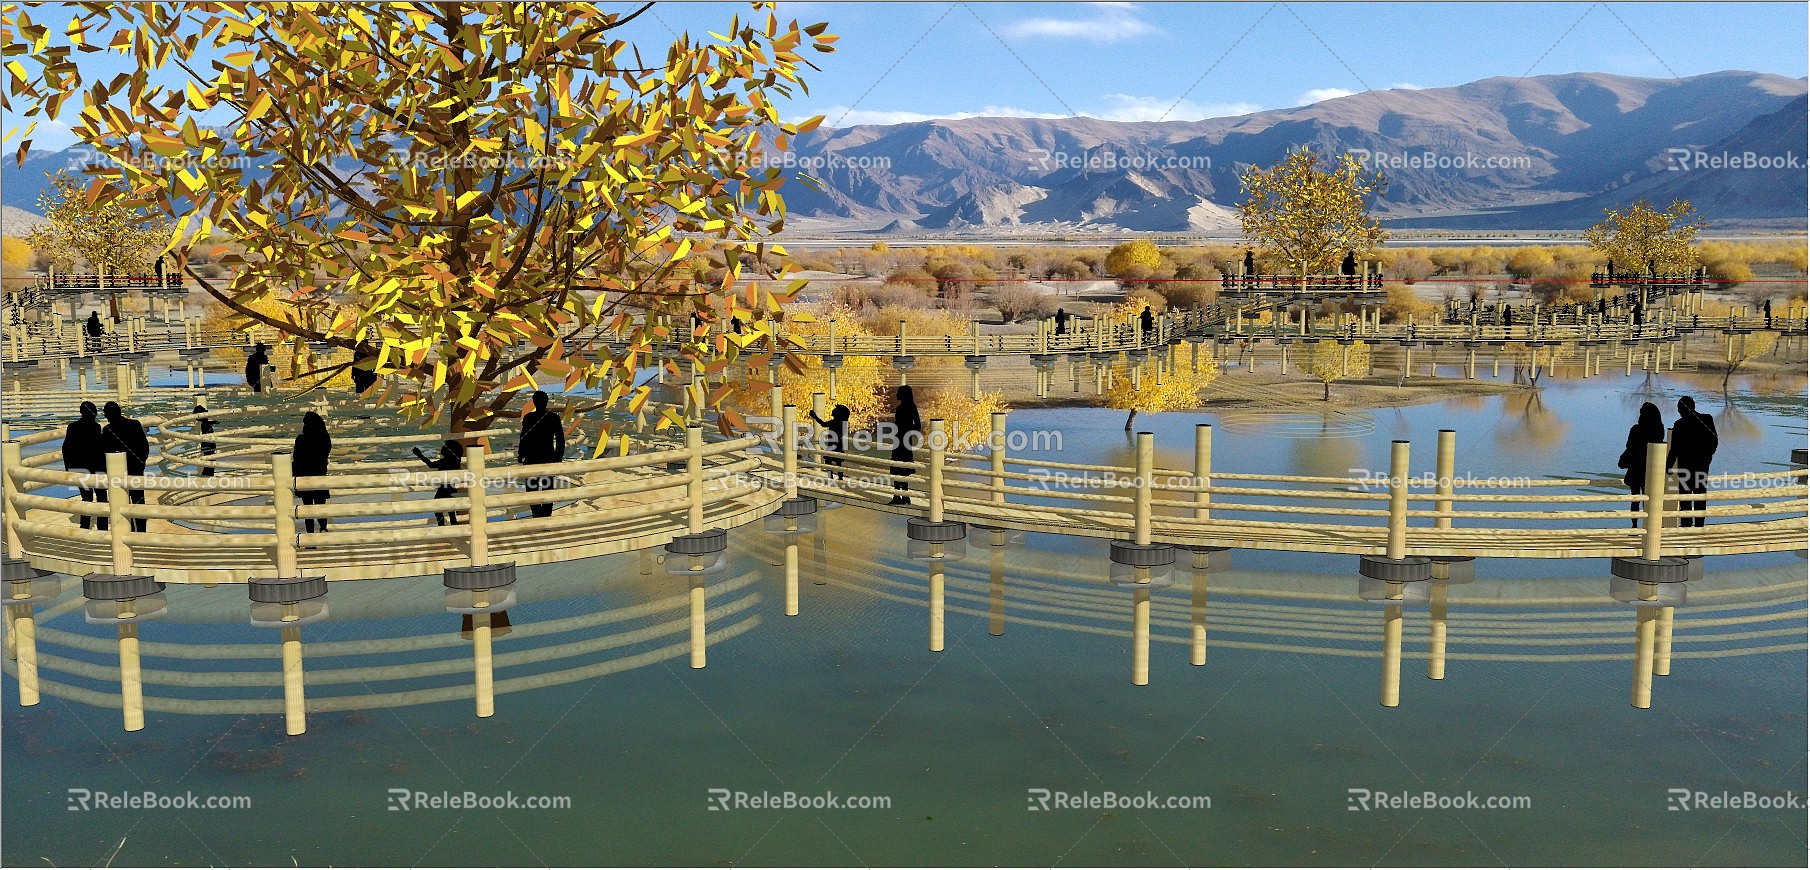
1277,729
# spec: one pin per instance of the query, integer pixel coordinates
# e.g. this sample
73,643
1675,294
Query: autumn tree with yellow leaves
113,236
480,188
1641,236
1331,361
1308,210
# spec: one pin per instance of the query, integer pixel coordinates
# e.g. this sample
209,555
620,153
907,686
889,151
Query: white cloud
1406,86
1127,107
1111,22
47,136
1319,95
841,116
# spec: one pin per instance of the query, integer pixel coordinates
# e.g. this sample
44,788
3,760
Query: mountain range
1537,153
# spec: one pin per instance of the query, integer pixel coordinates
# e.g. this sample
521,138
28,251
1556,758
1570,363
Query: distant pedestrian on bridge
1648,429
82,454
1640,315
122,434
95,331
255,364
312,448
1694,444
1061,322
1147,323
543,442
1349,268
1767,308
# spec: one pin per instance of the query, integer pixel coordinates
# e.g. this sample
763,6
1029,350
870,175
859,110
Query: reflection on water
1277,726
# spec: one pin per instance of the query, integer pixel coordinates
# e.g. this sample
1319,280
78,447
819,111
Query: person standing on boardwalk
1349,268
1061,322
254,368
1767,308
908,427
1250,263
1147,323
1640,315
312,448
1648,429
835,440
451,458
1694,444
204,425
82,453
95,331
364,369
122,434
543,441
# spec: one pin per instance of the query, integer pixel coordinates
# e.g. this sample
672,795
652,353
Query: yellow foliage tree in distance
1307,211
502,196
1178,390
15,256
1331,361
1126,258
113,236
1641,237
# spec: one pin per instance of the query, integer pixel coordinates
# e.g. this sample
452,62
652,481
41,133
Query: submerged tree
1642,238
1308,210
496,194
113,236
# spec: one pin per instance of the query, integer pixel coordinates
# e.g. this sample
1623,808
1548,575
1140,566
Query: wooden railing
1391,514
228,527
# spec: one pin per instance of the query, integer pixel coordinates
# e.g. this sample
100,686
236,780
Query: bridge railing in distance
1446,513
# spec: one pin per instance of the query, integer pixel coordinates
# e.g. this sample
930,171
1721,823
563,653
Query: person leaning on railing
451,458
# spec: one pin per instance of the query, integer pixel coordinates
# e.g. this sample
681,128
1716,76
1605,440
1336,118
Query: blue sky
1184,61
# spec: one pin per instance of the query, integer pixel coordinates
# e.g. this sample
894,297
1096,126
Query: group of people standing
1693,444
86,443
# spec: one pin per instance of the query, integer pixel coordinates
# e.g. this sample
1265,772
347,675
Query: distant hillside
1546,152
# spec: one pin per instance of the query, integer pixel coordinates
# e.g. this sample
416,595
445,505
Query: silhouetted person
122,434
1767,308
95,331
82,453
1693,446
1250,262
205,426
1640,314
909,428
1649,429
364,378
451,458
835,435
157,268
1349,268
312,448
1602,306
1061,322
255,366
1611,269
1147,322
543,440
1508,314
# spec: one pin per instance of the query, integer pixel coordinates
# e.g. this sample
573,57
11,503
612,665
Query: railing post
282,501
477,517
1654,521
996,456
901,338
788,419
694,478
1445,468
10,456
117,522
1140,595
1398,500
934,484
1203,468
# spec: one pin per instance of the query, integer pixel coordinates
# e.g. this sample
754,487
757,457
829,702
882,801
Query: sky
908,61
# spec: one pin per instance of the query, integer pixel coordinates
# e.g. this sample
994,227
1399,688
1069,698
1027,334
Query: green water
845,698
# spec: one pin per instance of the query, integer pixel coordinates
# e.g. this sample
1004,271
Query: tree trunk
1326,396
